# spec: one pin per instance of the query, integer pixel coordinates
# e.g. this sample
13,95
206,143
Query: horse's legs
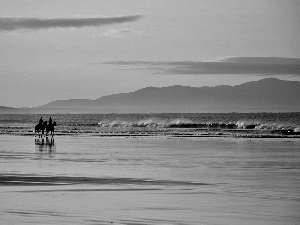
47,130
37,132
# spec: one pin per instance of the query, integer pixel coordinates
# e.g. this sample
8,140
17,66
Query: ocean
155,124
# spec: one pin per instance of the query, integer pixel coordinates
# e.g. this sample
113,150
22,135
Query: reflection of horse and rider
43,125
43,141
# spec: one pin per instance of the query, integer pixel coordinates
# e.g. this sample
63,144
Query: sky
74,49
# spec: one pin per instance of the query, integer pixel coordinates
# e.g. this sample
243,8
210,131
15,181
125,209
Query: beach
149,112
149,180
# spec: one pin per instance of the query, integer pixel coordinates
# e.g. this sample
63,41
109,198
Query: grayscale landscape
150,112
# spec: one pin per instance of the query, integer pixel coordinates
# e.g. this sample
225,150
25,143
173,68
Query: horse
40,127
50,128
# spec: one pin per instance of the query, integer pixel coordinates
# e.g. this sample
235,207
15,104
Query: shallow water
93,180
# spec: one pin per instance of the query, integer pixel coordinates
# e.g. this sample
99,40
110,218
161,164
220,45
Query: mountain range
266,95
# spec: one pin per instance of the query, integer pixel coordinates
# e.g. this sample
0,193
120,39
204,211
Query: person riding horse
40,127
50,128
43,125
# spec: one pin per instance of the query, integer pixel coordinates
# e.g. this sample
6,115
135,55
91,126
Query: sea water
93,124
153,180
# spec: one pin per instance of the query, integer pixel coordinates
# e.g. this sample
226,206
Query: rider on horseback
43,125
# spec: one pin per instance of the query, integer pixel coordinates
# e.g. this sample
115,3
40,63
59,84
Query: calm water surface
92,180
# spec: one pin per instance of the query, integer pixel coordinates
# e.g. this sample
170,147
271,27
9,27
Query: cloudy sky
63,49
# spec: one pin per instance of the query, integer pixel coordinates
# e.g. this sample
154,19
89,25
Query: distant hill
266,95
8,110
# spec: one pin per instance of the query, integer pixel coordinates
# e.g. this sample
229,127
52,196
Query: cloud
35,23
232,65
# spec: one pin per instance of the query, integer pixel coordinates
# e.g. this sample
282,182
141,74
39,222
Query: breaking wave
186,123
152,122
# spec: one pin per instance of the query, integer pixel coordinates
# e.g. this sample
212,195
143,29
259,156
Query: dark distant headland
266,95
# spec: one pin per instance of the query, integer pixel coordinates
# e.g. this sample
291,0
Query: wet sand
166,132
97,180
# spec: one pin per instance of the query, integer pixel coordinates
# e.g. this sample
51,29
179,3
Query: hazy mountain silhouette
266,95
8,110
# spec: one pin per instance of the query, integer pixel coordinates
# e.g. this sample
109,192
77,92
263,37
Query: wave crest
187,123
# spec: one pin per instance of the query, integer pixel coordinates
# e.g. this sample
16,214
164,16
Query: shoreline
166,134
259,126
